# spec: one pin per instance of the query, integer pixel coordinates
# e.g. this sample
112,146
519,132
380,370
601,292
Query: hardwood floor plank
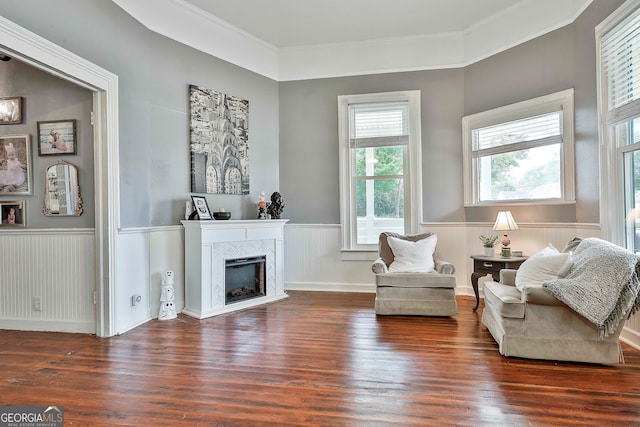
315,359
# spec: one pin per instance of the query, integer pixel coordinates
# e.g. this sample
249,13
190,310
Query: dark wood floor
314,359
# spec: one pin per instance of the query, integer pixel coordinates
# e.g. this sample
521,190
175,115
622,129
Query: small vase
488,251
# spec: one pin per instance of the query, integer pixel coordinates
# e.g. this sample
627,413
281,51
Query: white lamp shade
505,221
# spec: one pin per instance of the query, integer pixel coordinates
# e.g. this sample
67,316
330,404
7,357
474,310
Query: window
618,42
520,153
379,136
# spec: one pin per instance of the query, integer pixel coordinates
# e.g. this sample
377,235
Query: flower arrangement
488,241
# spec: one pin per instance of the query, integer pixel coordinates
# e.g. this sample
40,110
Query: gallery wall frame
12,213
62,191
57,137
10,110
15,164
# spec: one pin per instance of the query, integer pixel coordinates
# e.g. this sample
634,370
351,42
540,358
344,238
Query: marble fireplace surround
208,244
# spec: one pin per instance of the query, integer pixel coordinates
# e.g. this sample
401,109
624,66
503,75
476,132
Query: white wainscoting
314,262
57,265
167,253
457,242
144,255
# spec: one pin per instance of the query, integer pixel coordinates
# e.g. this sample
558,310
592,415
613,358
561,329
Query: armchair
577,316
418,283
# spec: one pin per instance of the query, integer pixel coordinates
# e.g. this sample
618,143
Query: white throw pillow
412,257
547,264
548,250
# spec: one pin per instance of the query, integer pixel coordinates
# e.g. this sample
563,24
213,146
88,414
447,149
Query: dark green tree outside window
388,193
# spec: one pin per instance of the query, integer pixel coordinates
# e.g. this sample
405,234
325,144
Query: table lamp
505,222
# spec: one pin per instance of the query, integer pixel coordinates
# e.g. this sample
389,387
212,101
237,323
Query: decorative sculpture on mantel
262,207
276,206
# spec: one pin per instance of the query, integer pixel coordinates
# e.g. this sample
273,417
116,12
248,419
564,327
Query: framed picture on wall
57,137
15,164
10,110
201,207
12,213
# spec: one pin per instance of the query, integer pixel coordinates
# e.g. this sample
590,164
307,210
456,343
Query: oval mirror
62,192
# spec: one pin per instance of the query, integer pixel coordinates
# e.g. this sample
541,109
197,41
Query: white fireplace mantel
208,244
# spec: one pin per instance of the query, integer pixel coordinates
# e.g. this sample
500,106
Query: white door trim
45,55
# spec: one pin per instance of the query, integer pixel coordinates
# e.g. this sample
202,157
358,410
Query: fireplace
244,278
208,247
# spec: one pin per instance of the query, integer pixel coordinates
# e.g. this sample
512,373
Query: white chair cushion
412,257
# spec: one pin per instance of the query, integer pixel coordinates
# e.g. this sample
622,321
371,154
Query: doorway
28,47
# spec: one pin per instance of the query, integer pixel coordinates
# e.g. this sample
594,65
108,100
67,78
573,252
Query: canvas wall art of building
219,140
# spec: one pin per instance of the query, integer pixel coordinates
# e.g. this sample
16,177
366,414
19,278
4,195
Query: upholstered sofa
541,320
430,292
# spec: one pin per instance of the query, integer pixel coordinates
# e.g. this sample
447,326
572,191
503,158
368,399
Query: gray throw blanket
602,285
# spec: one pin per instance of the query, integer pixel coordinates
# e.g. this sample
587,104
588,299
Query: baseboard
330,287
130,327
48,326
631,337
354,287
465,290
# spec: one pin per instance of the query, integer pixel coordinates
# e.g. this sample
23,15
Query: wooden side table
483,265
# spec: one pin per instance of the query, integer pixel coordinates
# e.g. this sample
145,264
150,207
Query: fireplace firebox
244,278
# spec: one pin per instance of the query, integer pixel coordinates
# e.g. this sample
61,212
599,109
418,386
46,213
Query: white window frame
612,200
413,185
521,110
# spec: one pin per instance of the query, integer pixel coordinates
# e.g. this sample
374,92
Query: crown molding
187,24
183,22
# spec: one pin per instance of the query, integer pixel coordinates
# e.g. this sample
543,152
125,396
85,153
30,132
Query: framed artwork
219,138
15,164
10,110
57,137
201,207
12,213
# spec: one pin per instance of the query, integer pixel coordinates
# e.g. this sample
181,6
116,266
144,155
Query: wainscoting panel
133,260
313,261
56,265
457,242
167,253
59,267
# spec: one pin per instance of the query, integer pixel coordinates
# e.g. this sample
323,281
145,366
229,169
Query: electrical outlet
135,300
36,303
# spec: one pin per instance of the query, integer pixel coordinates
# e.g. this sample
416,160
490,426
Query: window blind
535,131
378,124
620,57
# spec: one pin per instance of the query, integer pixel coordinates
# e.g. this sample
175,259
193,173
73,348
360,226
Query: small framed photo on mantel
201,208
57,137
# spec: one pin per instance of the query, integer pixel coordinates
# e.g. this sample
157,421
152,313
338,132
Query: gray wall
562,59
154,75
46,97
559,60
300,157
309,142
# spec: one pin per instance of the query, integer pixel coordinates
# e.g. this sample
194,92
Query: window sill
359,255
521,203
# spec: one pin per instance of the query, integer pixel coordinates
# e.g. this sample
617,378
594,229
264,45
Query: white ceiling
287,23
305,39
